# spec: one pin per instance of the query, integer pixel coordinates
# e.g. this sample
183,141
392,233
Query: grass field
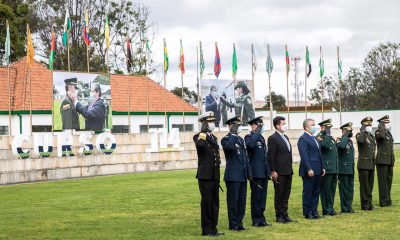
165,205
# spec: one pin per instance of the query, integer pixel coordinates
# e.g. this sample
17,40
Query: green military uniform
243,104
69,115
366,162
346,168
329,161
384,161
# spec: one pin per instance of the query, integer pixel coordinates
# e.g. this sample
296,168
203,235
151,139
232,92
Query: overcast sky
354,25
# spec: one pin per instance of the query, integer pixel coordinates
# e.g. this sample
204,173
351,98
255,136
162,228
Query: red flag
182,60
217,62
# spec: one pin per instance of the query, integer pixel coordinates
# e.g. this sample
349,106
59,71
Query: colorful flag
30,52
321,64
287,61
339,68
67,27
217,62
128,54
202,65
166,60
52,48
234,63
107,33
253,58
86,36
7,44
308,63
182,60
269,63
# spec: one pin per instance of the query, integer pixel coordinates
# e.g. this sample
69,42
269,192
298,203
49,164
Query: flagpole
148,90
340,88
9,99
69,66
252,72
198,82
165,89
87,54
322,86
183,100
30,86
287,90
305,85
269,70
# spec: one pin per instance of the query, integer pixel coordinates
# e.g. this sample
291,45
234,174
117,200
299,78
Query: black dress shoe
267,224
241,228
288,219
310,217
259,225
234,228
316,216
332,213
281,220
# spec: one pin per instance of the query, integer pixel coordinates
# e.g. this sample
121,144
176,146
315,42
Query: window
41,128
188,127
144,129
3,130
120,129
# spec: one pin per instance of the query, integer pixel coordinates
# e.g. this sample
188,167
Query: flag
7,44
254,63
148,53
182,60
128,54
67,28
202,65
30,52
86,36
321,64
107,33
52,48
166,61
269,63
217,62
234,63
308,63
339,68
287,61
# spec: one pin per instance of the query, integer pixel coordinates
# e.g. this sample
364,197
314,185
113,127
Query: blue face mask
313,129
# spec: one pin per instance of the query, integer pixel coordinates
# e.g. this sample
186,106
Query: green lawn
165,205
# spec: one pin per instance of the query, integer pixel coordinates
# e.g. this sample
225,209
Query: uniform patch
202,136
66,106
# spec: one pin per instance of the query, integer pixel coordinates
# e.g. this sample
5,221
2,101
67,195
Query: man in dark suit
384,161
95,112
280,161
237,171
213,104
208,174
311,169
257,152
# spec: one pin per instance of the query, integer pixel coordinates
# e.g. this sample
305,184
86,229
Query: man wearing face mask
208,174
366,162
384,161
311,169
212,104
345,148
257,152
237,171
95,112
329,160
280,161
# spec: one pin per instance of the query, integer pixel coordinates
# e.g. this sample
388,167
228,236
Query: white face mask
387,125
214,93
211,126
368,129
239,129
284,128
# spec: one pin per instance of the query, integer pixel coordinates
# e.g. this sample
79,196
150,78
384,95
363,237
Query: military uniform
346,169
384,161
237,171
366,163
257,152
208,176
69,115
329,161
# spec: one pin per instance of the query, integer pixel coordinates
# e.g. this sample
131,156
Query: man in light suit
311,169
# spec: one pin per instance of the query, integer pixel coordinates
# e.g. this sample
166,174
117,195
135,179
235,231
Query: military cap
240,84
326,123
71,81
384,119
207,116
236,119
256,120
367,121
347,126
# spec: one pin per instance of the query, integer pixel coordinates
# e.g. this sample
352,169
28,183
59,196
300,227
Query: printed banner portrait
227,98
82,101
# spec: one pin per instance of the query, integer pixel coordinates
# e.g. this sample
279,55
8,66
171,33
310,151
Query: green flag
340,69
8,45
52,48
269,63
308,62
202,65
321,64
67,27
234,63
166,61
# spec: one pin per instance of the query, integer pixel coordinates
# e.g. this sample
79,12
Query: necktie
286,141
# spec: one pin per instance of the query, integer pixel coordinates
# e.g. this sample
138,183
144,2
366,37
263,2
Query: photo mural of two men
85,101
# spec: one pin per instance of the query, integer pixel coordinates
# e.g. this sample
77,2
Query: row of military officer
255,160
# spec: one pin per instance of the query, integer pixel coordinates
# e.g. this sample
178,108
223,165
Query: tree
331,93
126,19
278,100
188,96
